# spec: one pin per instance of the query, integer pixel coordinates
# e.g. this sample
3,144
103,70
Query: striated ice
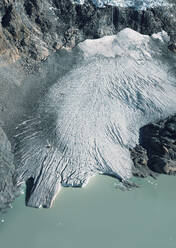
88,120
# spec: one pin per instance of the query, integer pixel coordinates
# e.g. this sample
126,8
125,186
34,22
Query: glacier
87,121
137,4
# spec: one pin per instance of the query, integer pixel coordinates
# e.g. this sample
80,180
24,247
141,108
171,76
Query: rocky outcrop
36,28
7,188
157,149
172,47
140,163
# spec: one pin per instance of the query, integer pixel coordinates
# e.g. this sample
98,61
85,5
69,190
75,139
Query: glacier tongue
138,4
88,120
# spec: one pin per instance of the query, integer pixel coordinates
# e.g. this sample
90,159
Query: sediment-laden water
83,126
99,215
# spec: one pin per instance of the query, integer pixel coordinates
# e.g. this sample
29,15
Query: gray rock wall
157,149
7,169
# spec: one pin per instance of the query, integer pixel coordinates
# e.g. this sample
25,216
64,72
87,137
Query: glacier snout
90,118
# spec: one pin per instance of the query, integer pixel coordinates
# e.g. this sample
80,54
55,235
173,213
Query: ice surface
91,116
138,4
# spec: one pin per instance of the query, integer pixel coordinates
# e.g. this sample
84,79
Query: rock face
7,169
172,47
157,152
140,160
36,28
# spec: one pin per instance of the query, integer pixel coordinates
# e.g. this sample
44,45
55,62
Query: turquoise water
99,215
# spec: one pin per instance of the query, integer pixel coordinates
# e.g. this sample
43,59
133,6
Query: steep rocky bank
157,149
8,189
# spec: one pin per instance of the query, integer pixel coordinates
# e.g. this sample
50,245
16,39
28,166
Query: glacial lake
98,215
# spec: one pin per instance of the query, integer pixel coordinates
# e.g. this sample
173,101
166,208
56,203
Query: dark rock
157,146
140,163
162,165
7,188
172,47
7,17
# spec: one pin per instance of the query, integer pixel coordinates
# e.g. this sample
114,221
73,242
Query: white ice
91,116
138,4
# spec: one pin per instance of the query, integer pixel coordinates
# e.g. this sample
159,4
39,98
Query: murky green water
99,215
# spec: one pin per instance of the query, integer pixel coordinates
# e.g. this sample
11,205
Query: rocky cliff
157,149
33,29
7,187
